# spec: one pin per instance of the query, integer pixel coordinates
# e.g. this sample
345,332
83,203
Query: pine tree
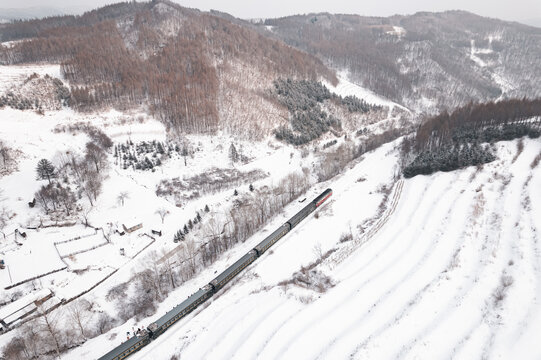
198,217
178,236
190,224
233,154
186,230
45,170
251,187
235,192
207,208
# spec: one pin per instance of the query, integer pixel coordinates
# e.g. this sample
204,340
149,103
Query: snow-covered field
453,273
10,75
441,266
345,87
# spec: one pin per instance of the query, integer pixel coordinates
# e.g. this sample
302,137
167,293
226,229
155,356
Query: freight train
184,308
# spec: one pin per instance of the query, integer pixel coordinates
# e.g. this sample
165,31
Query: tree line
450,141
441,129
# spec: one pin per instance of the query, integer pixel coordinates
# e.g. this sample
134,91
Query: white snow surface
10,75
345,87
449,267
452,273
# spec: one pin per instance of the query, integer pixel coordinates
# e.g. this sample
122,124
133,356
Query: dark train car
179,311
233,270
322,197
298,217
271,239
163,323
126,348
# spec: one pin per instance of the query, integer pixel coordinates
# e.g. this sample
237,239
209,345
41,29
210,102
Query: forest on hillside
425,60
450,141
156,54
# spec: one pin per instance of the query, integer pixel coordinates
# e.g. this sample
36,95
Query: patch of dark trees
303,99
181,233
145,155
18,102
330,143
448,158
452,141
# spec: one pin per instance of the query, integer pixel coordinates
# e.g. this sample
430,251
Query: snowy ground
452,274
345,87
33,137
11,75
447,268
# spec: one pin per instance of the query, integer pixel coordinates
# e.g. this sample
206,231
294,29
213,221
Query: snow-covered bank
452,274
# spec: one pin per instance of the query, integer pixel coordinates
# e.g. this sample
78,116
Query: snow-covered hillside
440,266
451,273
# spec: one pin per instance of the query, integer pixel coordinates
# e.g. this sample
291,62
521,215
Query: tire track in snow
441,326
513,311
506,243
417,215
462,290
247,325
403,282
489,248
290,320
409,308
535,253
382,246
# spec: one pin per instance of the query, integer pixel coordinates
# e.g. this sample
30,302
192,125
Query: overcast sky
503,9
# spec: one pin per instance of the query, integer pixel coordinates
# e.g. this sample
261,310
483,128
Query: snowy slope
453,273
441,266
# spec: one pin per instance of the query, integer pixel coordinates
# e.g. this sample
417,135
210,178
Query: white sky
503,9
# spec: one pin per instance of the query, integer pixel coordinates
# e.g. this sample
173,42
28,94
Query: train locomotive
155,329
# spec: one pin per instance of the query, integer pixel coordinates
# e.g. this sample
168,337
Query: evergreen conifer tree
233,154
45,170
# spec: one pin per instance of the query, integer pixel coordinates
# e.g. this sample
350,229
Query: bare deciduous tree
168,263
4,153
105,323
15,349
79,313
122,197
49,327
163,213
191,255
4,214
96,155
66,198
92,187
84,215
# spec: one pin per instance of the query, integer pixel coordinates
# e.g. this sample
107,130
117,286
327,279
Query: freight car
184,308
